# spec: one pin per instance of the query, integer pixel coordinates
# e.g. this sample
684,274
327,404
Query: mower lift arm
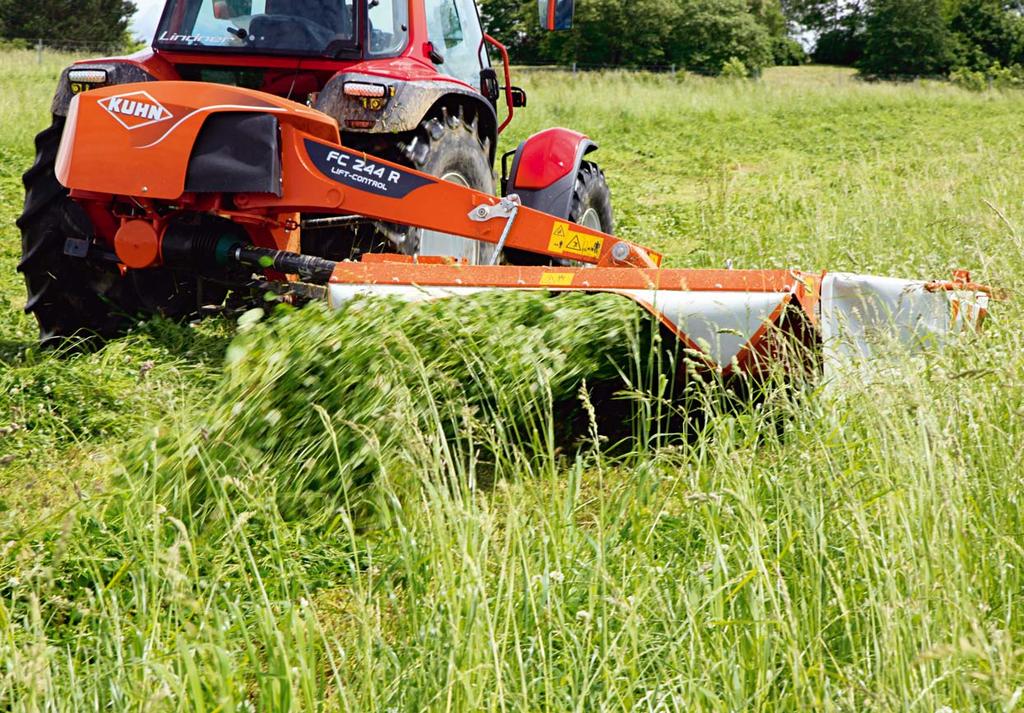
324,177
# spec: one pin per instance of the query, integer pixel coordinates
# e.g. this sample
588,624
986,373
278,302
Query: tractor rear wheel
72,296
449,146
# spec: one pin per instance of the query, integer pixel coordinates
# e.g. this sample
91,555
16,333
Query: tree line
699,35
67,23
883,38
917,37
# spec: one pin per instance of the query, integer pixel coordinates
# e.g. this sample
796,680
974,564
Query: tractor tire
74,297
70,297
449,147
592,200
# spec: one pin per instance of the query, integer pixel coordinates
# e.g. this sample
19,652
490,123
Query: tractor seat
292,24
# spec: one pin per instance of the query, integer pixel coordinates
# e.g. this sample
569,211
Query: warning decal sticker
565,241
557,279
356,171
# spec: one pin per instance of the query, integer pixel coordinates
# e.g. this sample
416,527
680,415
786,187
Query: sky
144,22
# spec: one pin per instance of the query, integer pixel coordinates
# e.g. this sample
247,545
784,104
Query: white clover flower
556,577
584,616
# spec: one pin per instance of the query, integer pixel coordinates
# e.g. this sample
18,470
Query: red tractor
409,81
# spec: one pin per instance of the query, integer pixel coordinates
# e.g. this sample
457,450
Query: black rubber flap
236,153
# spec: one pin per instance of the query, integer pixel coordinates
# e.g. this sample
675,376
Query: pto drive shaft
190,246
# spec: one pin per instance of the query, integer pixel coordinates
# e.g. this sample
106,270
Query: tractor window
389,27
311,27
454,29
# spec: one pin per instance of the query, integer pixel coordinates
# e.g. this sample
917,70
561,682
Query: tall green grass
425,536
347,528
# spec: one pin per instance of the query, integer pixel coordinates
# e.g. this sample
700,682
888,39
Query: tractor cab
334,29
313,28
446,36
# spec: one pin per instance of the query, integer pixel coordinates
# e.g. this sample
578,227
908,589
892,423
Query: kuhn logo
135,110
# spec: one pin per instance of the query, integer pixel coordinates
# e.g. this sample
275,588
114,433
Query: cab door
456,33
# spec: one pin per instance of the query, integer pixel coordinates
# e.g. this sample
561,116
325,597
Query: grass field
376,512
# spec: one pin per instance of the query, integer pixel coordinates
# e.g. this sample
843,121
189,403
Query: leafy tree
787,52
906,38
987,31
612,32
822,15
71,22
769,14
709,33
511,21
843,44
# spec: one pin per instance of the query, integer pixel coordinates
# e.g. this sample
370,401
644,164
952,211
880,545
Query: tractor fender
405,104
545,167
118,72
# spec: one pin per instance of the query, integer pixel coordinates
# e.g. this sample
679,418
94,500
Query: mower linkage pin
507,208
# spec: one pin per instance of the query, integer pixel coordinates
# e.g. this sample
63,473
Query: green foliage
787,52
906,38
986,31
995,76
734,68
515,23
700,35
710,33
384,385
842,43
61,23
14,44
969,79
820,15
914,37
769,15
610,32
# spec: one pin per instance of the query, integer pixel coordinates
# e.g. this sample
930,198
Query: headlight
82,80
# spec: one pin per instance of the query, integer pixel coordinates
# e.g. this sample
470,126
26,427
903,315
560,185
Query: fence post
574,68
39,51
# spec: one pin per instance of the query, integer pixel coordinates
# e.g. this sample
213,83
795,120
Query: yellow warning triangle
574,244
558,232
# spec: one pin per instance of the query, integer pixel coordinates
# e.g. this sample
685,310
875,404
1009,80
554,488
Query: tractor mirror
556,14
489,84
518,97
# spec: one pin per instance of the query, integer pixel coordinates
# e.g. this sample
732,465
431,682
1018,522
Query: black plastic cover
236,152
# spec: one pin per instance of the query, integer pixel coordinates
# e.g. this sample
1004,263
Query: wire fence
64,45
578,67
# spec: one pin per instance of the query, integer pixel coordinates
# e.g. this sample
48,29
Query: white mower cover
863,316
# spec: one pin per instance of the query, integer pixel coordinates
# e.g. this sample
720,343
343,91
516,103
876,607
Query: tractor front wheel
591,207
592,200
